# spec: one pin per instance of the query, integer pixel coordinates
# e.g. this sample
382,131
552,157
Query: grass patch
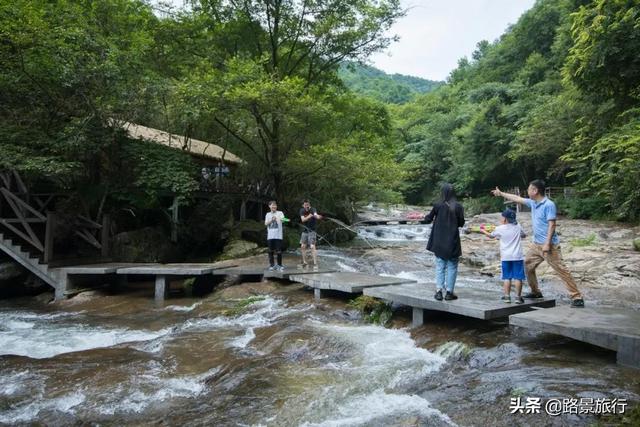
585,241
373,310
242,305
518,392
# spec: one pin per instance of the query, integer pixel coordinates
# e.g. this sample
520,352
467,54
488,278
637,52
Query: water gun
285,220
489,228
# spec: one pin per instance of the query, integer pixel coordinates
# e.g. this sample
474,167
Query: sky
435,34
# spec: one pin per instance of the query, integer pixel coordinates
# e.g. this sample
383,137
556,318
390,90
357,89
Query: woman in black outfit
444,241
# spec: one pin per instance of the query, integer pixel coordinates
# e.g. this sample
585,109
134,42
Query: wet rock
504,355
453,350
86,296
246,290
15,281
34,286
45,297
10,270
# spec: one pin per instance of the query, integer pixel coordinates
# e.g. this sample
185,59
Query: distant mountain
390,88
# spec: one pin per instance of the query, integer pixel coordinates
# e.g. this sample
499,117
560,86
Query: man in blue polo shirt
546,245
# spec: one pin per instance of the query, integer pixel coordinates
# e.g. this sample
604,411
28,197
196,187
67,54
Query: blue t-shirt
541,213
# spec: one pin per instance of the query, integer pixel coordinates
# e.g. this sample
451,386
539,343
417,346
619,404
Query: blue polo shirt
541,213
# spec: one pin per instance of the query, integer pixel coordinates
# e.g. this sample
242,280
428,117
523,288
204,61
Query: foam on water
390,354
19,382
133,396
374,380
38,337
381,408
30,411
150,389
262,313
394,233
418,276
183,307
243,340
345,267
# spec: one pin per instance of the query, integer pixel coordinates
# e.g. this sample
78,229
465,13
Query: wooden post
49,236
106,228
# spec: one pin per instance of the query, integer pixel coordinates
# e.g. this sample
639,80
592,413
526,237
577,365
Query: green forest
278,82
371,82
556,97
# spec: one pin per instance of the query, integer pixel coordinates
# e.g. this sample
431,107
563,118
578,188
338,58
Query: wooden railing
28,216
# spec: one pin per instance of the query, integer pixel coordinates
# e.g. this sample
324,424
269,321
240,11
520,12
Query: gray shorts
308,238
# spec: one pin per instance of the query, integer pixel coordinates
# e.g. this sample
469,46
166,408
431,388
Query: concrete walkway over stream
614,329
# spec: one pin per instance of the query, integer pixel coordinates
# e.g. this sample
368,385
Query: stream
287,360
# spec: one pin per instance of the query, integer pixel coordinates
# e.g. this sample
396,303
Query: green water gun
489,228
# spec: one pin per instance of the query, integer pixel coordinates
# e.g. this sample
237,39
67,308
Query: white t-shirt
274,229
510,236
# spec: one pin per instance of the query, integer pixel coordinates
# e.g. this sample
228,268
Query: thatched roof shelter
193,146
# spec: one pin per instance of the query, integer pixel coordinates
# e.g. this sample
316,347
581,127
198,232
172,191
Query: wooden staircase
27,228
29,261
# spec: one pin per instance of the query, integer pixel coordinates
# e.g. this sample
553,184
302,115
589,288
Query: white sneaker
280,268
272,268
315,267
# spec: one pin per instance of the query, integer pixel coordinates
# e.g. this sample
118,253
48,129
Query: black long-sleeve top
444,240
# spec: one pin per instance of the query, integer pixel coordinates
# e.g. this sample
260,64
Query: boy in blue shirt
546,245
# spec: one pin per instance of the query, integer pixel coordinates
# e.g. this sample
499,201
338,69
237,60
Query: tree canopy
258,77
556,97
278,83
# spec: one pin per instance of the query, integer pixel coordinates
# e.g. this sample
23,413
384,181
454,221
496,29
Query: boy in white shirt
510,234
273,222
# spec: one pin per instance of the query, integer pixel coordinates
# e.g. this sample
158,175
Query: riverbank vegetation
278,84
556,97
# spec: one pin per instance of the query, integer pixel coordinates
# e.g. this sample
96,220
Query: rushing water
287,360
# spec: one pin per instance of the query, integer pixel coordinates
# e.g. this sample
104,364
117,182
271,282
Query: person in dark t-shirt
308,221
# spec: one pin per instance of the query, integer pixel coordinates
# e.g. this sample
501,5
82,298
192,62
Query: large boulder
16,281
238,248
250,231
10,270
12,276
636,244
149,244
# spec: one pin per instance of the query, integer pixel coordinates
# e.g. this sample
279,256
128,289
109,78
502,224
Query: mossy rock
256,232
373,310
149,244
238,248
251,231
636,244
241,306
